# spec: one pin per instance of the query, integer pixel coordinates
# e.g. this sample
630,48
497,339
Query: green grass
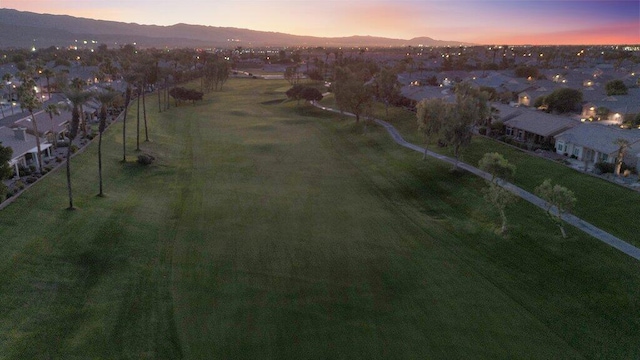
608,206
277,231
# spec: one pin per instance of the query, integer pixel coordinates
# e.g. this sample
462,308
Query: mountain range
26,29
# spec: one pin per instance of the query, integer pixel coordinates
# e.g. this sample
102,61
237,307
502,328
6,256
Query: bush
482,130
145,159
19,185
74,148
605,168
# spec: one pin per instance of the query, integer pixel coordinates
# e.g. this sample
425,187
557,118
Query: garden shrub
145,159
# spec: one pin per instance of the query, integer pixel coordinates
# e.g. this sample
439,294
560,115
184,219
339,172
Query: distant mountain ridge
25,29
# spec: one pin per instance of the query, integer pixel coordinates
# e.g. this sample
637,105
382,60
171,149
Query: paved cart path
592,230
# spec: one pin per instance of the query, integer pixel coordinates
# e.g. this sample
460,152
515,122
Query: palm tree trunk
69,175
124,127
38,147
138,124
84,123
159,101
144,114
100,163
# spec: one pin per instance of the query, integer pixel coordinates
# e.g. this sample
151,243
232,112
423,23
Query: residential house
613,109
537,127
25,150
597,143
53,130
428,92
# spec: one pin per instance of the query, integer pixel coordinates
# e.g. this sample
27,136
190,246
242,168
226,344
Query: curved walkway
597,233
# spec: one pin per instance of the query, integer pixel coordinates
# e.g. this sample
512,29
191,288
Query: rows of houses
20,134
590,136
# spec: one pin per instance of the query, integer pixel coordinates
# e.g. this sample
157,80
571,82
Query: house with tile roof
23,144
537,127
613,109
597,143
52,129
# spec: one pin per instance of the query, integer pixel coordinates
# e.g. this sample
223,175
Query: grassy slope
606,205
264,232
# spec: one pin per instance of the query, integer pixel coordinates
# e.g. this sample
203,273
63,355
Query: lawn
604,204
268,230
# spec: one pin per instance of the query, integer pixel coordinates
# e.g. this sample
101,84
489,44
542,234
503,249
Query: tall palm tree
51,110
30,102
138,117
48,74
623,146
79,84
7,78
106,99
77,97
127,99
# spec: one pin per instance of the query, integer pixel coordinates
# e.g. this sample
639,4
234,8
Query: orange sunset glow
481,22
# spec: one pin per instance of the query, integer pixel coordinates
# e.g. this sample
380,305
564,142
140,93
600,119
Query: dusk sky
477,21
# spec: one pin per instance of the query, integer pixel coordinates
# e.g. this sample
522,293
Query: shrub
145,159
482,130
19,185
74,148
604,167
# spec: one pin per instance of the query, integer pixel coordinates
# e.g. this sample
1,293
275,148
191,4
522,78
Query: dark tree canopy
563,100
616,87
527,71
183,94
311,94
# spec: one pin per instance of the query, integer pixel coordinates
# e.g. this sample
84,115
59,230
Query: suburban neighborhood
176,186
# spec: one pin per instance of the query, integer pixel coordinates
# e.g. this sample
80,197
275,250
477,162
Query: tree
29,101
431,115
387,87
77,97
563,100
5,169
471,108
311,94
616,87
127,99
7,79
182,94
559,200
51,110
527,72
48,74
292,75
295,92
106,99
496,165
351,92
499,168
623,145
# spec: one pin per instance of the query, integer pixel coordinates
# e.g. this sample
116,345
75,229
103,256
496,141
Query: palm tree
77,97
138,117
129,78
7,78
79,84
48,74
51,110
106,99
623,145
30,101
